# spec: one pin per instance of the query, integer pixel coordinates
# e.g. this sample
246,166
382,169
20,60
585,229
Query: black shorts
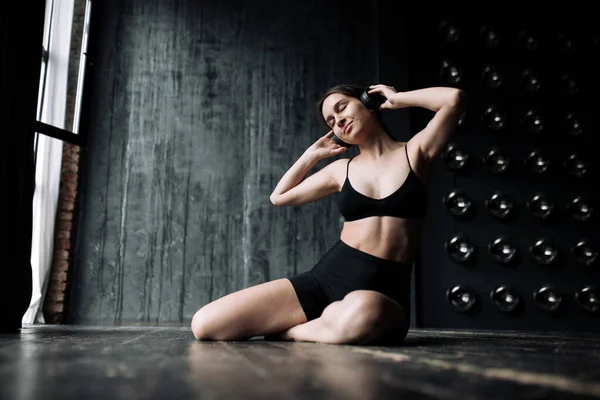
344,269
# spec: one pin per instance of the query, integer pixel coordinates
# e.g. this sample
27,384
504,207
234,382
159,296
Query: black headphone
372,101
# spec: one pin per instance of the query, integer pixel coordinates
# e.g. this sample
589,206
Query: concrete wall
196,110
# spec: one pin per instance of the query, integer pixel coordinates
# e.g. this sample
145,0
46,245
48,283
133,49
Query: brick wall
54,303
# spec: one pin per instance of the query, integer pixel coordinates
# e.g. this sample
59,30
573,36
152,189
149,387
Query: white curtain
49,153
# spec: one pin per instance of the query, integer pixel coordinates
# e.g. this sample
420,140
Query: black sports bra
409,201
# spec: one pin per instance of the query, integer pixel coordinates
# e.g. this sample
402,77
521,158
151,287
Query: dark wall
551,59
196,110
21,31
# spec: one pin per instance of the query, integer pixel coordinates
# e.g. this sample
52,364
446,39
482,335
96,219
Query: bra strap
347,165
407,159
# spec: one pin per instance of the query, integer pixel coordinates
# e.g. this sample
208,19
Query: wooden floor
73,362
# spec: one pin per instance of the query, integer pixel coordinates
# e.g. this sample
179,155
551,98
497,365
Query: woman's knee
354,317
200,325
364,311
365,306
207,325
369,316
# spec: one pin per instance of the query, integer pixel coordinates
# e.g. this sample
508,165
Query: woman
359,292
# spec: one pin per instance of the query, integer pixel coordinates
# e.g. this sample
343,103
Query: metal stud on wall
513,243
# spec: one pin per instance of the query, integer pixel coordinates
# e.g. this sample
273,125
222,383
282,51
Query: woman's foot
282,336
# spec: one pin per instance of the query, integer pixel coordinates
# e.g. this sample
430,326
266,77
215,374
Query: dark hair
348,89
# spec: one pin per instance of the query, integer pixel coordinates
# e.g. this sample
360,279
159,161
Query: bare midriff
385,237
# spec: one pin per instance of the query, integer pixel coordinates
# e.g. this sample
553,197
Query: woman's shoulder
337,169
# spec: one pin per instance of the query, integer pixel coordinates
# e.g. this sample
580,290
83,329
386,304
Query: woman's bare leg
362,317
255,311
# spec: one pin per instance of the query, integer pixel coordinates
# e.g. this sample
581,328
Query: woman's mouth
347,129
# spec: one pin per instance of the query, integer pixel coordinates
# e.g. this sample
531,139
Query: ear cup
373,100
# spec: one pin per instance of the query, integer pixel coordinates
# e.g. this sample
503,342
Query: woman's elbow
458,99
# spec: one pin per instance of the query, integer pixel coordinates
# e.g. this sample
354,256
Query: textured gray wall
198,108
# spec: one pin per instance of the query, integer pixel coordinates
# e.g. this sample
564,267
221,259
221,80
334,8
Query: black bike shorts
344,269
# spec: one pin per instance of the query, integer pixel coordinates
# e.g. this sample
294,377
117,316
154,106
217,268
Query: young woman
359,291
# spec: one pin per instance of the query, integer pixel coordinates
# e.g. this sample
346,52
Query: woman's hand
325,147
389,92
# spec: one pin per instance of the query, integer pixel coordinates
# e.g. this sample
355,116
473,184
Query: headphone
370,100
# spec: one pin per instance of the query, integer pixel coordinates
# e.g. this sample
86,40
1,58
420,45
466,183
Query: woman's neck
377,145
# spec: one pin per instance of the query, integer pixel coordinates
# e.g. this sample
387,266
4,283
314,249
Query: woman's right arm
317,186
294,188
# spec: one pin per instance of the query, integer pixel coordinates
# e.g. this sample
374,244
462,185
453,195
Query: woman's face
347,116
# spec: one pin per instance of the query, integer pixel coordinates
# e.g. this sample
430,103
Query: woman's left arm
447,103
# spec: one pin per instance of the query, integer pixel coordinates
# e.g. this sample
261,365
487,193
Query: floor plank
167,362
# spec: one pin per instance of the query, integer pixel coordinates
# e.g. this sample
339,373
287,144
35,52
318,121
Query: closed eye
338,105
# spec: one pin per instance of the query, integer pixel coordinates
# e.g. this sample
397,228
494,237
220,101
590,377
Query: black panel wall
196,109
561,52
